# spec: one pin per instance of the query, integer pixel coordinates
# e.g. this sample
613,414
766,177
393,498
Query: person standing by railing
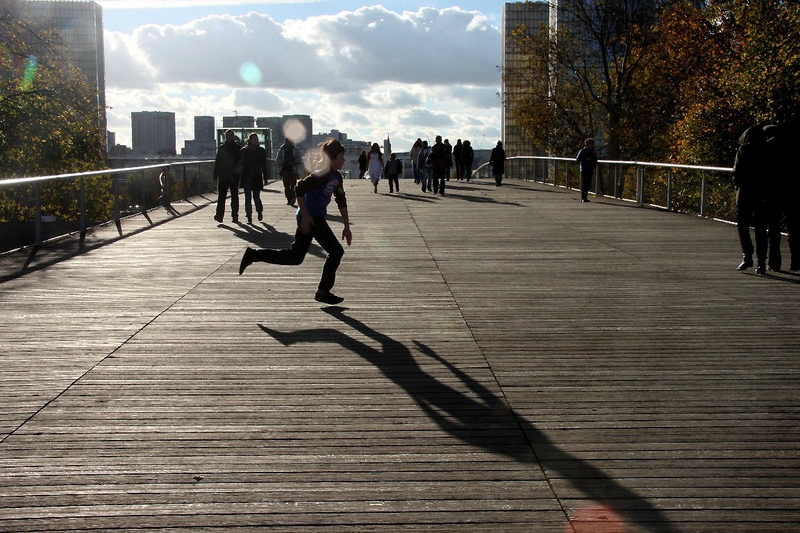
467,156
587,158
225,178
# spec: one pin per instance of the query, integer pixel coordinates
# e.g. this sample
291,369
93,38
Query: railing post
37,216
640,185
82,204
703,190
144,192
115,190
669,189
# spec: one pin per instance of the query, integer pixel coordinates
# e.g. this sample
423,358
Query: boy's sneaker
328,298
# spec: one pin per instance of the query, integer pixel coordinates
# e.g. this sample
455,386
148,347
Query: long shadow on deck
476,420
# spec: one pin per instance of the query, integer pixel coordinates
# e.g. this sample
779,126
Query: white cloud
361,71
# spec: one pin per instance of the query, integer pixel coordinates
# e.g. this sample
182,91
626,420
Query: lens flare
250,73
30,73
293,129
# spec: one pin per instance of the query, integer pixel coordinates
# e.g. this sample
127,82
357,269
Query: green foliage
49,120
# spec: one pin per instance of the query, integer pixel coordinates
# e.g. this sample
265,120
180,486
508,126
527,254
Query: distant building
153,132
80,24
239,121
204,128
204,142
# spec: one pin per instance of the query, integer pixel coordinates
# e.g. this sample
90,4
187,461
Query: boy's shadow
263,235
477,418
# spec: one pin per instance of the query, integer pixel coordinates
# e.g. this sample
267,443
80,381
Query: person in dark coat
783,196
225,176
587,158
751,197
498,162
253,175
467,156
362,164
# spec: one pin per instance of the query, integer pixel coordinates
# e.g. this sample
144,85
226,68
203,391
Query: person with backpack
290,165
393,169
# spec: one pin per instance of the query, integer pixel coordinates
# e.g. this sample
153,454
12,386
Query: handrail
8,182
707,197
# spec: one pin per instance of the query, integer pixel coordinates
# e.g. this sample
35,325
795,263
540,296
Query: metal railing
704,191
34,210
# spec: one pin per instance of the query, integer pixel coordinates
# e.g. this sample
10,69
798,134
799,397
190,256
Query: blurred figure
290,163
253,174
225,177
498,162
748,170
587,158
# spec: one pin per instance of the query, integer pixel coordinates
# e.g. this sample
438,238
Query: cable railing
704,191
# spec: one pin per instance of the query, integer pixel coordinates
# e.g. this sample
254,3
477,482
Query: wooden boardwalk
506,360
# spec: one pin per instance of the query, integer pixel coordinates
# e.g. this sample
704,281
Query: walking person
587,158
253,165
424,166
414,155
498,162
458,160
448,162
314,193
751,200
375,165
467,156
393,169
362,164
225,178
438,158
290,163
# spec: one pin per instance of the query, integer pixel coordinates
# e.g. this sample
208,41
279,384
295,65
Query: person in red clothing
314,193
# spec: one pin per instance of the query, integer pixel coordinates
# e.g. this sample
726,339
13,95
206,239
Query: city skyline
373,71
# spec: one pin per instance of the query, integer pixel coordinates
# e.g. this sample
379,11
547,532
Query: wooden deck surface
506,360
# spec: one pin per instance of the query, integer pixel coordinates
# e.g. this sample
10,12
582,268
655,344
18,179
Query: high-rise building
153,132
204,129
80,25
533,16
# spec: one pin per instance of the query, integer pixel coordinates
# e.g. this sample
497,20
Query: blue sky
402,69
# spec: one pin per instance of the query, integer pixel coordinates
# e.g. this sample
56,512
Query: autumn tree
584,74
48,115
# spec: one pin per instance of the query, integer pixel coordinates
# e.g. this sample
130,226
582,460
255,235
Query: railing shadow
470,417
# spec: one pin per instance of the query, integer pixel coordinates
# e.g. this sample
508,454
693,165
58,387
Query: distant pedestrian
362,164
498,162
375,165
414,155
587,158
393,169
424,166
458,160
225,177
290,165
314,193
253,174
438,158
448,162
751,199
467,156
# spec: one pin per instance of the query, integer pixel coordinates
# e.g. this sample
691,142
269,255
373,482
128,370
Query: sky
400,70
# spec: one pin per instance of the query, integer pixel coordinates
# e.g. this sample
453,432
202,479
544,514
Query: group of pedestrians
433,165
244,167
766,198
